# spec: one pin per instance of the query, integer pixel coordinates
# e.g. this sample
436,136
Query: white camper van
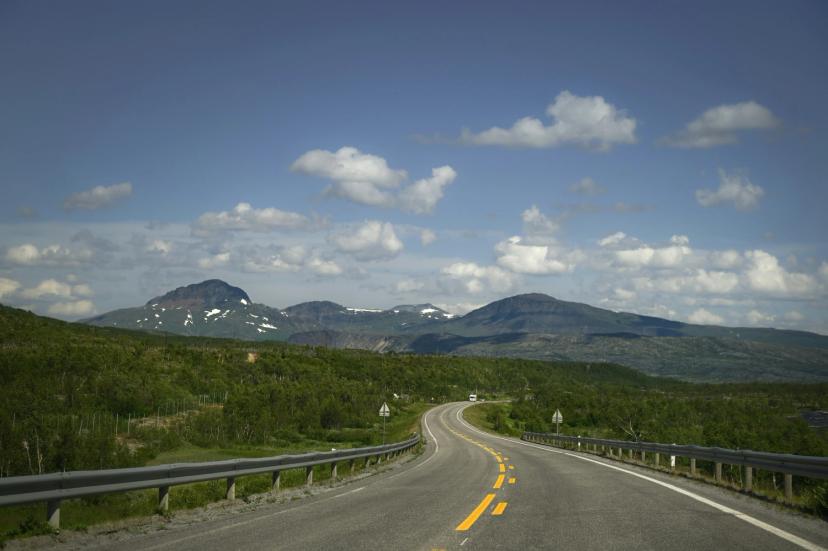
472,397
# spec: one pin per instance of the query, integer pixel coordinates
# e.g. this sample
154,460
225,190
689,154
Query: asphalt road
454,496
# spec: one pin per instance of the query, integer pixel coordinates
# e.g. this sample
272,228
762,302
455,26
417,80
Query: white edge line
796,540
291,509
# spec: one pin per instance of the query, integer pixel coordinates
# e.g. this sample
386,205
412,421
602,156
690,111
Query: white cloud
244,217
623,295
427,237
214,261
459,308
733,188
97,197
823,270
612,240
421,196
360,177
368,180
669,256
699,282
72,309
764,274
51,255
473,278
160,246
371,240
587,186
755,317
284,259
530,259
324,267
587,121
719,125
725,259
408,286
8,286
55,288
535,223
705,317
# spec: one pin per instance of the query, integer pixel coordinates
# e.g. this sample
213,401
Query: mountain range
534,326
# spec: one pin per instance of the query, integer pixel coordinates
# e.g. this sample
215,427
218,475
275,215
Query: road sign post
384,412
557,419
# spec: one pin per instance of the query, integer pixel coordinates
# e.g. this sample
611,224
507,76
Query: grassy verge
79,514
493,417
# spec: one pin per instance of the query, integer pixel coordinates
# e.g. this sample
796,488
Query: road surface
473,490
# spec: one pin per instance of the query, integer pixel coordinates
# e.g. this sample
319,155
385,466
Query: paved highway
478,491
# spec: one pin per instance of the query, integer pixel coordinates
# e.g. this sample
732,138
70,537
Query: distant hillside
530,326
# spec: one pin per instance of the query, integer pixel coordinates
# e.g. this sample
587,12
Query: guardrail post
748,478
276,481
673,461
788,487
692,466
579,442
643,456
163,498
231,488
718,472
309,475
657,458
353,466
620,454
53,513
333,471
630,454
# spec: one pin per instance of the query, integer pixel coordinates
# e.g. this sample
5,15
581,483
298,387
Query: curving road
479,491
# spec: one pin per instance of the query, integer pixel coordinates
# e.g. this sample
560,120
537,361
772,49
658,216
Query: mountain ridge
532,325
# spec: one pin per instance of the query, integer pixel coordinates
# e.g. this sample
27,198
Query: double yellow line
487,500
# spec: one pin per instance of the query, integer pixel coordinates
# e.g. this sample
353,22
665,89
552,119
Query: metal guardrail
55,487
787,464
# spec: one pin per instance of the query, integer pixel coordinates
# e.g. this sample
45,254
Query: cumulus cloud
473,278
357,176
8,286
29,254
408,286
368,180
421,196
764,274
324,267
244,217
721,125
535,223
214,261
669,256
73,308
700,281
727,259
705,317
278,259
733,188
588,121
530,259
755,317
427,237
97,197
160,246
371,240
793,316
587,186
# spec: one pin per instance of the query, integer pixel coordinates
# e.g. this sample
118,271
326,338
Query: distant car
472,397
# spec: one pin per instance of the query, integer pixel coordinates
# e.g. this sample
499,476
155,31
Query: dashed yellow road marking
502,467
499,508
511,467
474,515
499,482
512,480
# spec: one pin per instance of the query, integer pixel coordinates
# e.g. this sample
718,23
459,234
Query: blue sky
663,158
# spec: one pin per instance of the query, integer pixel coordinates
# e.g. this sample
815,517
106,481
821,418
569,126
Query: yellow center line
499,482
474,515
512,480
499,460
499,508
502,467
511,467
